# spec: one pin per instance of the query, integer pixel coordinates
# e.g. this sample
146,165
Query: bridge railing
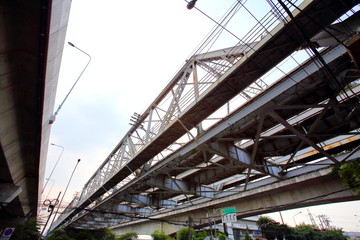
197,75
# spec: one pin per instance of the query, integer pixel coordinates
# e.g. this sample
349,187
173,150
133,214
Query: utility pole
210,224
190,225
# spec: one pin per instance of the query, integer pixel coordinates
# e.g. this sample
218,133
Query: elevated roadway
32,35
197,142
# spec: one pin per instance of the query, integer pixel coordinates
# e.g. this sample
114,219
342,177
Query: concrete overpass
310,189
32,35
180,158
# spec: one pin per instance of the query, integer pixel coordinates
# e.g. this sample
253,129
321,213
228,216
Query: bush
220,235
201,235
59,234
107,234
160,235
30,230
128,235
350,175
183,234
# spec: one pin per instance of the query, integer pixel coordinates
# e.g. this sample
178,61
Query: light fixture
191,4
62,150
53,117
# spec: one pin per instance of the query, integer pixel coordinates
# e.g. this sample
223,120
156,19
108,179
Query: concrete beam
146,201
125,209
8,192
306,190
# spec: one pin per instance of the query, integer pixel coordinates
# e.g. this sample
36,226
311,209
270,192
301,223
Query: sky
136,48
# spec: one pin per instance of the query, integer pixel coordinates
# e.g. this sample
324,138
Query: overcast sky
136,48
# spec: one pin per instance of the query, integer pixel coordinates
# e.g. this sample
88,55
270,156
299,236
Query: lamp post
294,218
57,210
51,205
53,182
53,117
62,150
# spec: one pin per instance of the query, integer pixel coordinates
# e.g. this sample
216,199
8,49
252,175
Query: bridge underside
32,37
310,189
261,155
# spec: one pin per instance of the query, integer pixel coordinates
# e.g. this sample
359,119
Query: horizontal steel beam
161,181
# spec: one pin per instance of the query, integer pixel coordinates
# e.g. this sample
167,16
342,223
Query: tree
128,235
272,229
350,175
306,231
201,235
263,221
334,234
59,234
29,231
160,235
185,234
107,234
220,235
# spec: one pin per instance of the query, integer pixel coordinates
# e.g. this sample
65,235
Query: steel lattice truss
221,124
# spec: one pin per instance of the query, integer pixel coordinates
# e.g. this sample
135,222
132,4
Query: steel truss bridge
282,103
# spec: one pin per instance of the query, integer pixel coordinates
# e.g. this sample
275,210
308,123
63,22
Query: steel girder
234,123
148,135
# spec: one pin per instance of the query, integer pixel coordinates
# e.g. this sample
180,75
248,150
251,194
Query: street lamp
53,117
57,210
191,4
53,182
294,218
62,150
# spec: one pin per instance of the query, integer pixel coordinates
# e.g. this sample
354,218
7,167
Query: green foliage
309,232
220,235
306,231
160,235
106,234
201,235
128,235
334,234
350,175
28,231
99,234
263,221
59,234
272,229
185,234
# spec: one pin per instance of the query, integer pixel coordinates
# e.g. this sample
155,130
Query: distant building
352,235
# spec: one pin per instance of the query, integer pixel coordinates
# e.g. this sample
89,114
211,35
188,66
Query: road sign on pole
227,210
228,215
229,218
7,233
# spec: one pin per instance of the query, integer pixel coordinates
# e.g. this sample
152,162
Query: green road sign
227,210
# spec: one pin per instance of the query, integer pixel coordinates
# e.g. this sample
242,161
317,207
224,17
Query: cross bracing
172,154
